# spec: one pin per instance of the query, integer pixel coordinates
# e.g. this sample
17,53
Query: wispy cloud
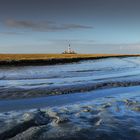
43,25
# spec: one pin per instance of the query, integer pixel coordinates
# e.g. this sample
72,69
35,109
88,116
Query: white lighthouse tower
69,50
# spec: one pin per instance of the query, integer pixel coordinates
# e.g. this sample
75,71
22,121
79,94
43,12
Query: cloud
43,26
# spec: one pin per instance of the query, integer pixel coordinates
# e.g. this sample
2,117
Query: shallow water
107,116
61,100
106,103
20,82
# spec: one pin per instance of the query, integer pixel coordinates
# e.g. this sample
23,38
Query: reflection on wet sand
110,117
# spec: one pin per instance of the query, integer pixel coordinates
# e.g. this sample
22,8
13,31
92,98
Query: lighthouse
69,50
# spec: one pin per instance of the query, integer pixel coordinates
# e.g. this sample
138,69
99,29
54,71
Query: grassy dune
29,59
18,57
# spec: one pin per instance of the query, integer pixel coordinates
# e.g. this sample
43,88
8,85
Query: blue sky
90,26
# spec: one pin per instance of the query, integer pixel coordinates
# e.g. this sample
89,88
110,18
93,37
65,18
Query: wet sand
106,103
62,100
38,81
112,116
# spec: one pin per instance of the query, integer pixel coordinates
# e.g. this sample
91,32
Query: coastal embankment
52,59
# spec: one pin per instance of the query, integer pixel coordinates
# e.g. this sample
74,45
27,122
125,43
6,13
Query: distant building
69,51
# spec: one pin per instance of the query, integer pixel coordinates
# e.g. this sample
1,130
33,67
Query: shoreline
52,59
